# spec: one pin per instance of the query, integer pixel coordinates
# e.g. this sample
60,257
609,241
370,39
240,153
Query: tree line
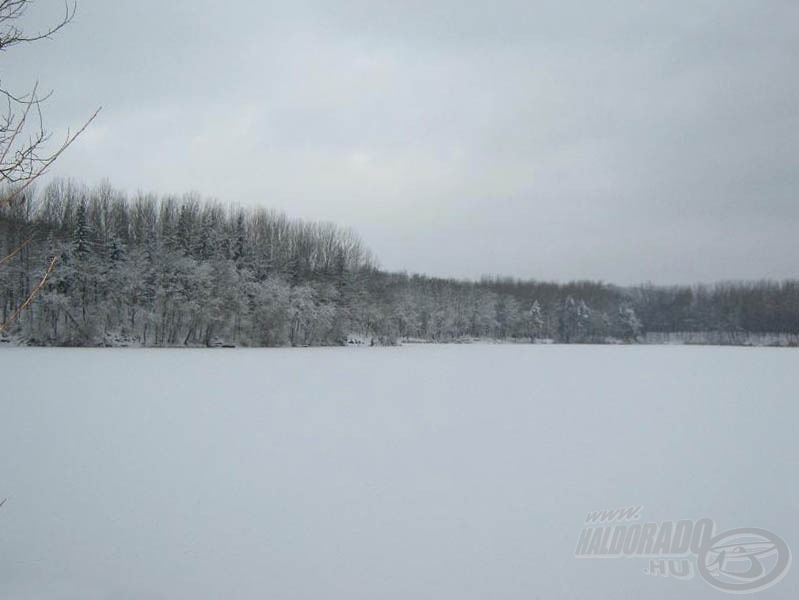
176,271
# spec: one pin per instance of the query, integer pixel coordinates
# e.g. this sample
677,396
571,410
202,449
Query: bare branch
42,164
19,249
12,10
23,118
31,297
23,137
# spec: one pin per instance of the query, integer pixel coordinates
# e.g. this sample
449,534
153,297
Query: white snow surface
427,471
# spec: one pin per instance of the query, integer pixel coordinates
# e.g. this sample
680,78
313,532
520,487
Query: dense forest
182,271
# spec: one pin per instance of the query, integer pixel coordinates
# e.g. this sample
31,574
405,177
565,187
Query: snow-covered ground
431,471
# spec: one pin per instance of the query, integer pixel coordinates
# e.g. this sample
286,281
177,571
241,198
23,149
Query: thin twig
33,294
19,249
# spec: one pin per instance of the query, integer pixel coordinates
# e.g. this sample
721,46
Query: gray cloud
621,141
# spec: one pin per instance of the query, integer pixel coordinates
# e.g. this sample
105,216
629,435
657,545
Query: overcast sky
625,141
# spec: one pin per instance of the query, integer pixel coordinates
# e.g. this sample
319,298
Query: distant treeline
181,271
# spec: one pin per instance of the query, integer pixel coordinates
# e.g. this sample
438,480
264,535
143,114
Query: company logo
744,560
737,561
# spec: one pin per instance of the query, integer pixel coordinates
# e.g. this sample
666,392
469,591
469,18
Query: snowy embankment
704,338
723,338
454,472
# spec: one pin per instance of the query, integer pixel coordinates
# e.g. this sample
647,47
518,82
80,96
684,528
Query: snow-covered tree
534,321
627,325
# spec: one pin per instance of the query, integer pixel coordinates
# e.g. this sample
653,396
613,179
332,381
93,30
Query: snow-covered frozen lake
446,472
